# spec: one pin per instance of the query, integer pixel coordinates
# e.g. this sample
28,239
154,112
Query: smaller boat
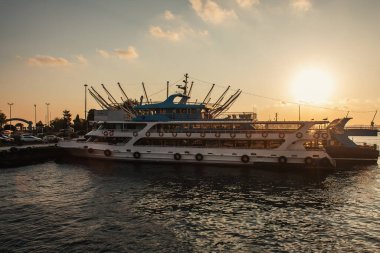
344,151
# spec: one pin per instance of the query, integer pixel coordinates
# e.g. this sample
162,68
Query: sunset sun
312,85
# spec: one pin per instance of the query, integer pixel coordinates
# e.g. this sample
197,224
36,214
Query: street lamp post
85,101
10,114
85,105
299,112
47,114
35,117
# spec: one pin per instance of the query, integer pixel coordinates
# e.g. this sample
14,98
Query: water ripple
144,208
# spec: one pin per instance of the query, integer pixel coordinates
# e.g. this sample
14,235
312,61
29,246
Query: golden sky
323,54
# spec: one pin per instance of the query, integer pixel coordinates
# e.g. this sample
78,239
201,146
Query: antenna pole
373,119
146,96
208,94
110,97
167,89
122,91
108,106
219,100
191,87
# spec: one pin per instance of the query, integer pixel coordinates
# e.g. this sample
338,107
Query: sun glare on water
312,85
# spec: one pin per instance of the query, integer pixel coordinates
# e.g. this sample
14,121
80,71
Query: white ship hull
240,157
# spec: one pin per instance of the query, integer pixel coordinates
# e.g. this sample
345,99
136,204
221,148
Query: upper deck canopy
169,110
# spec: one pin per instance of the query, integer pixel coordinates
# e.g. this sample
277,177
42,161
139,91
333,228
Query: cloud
211,12
103,53
203,33
128,54
247,3
301,5
81,59
183,32
168,15
157,32
46,60
125,54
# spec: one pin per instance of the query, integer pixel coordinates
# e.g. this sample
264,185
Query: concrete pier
29,154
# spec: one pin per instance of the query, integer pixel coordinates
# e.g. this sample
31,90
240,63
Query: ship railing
365,145
364,127
237,116
221,131
122,130
216,130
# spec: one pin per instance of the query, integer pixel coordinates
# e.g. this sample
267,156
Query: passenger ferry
176,130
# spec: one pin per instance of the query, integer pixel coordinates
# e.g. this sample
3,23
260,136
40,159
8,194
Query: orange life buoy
264,134
203,134
233,135
188,134
325,135
135,134
217,134
248,134
281,135
316,136
299,135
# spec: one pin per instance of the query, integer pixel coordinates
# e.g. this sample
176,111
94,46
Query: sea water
102,207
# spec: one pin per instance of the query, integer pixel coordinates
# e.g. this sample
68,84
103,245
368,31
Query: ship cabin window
317,144
195,126
109,140
111,126
210,143
199,127
277,126
131,127
120,126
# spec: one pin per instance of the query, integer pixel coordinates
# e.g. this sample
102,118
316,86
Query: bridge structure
30,123
362,130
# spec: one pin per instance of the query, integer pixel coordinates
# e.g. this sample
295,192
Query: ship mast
184,87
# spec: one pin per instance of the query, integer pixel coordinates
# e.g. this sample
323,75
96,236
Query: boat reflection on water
243,209
127,207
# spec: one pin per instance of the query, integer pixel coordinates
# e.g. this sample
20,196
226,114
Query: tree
58,124
79,124
20,126
67,118
2,118
39,124
91,115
